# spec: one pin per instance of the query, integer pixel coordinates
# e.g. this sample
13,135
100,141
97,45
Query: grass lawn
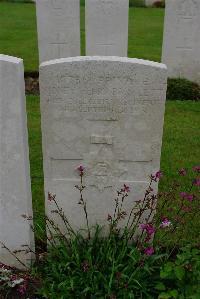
180,144
18,33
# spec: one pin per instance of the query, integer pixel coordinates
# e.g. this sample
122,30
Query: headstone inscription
107,27
105,113
58,25
15,186
181,42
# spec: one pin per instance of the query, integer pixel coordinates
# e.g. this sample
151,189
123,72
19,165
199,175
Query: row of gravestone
106,23
103,112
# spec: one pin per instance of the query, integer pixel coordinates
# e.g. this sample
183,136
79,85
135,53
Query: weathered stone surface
105,113
107,27
58,25
15,186
182,39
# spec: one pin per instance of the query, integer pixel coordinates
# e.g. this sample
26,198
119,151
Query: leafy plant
124,264
130,261
181,278
183,90
98,268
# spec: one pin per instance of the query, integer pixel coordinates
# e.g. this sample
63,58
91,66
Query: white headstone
58,25
107,27
181,46
15,186
105,113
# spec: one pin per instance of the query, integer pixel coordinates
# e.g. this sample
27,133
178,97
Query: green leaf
179,272
160,286
164,274
164,296
169,266
174,293
166,270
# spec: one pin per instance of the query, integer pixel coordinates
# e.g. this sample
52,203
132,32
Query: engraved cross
59,43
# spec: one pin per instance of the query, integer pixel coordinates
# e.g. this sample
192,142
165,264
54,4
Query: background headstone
107,27
15,186
181,45
105,113
58,25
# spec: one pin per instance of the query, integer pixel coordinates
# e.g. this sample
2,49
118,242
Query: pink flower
81,169
158,174
150,230
196,182
22,289
143,226
149,251
126,188
196,168
183,194
165,223
190,197
182,172
187,196
51,197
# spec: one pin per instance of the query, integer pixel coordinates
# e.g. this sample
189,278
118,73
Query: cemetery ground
180,149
